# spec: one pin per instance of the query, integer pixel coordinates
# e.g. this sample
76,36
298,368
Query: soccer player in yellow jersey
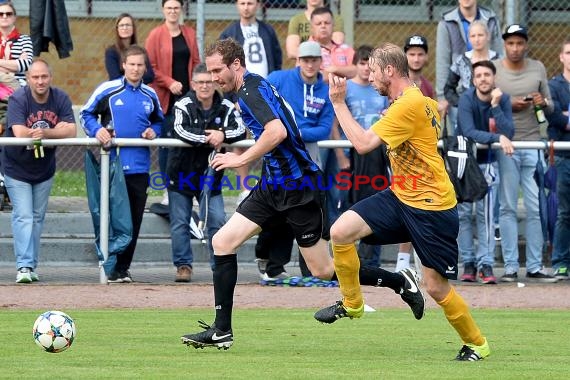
419,207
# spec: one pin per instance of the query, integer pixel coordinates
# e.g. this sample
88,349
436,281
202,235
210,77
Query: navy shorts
433,233
300,203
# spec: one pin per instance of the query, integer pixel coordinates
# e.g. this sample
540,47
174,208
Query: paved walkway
160,274
72,274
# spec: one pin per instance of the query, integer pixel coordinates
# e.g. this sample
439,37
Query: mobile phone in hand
527,98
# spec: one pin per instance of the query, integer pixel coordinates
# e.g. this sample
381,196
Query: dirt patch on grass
531,296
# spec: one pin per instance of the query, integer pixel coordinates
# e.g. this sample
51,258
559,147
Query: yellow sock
457,313
347,266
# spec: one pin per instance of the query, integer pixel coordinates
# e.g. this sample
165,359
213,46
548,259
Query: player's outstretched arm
363,140
274,132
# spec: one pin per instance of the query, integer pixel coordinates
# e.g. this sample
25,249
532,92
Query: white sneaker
23,276
242,196
34,276
164,200
280,276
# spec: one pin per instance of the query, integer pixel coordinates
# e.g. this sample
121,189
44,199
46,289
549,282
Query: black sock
373,276
225,278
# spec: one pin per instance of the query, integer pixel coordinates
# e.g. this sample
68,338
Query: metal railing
126,142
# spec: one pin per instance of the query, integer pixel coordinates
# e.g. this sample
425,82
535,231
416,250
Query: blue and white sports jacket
132,110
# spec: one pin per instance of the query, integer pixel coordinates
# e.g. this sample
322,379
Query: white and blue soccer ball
54,331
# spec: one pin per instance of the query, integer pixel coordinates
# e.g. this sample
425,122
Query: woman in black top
125,36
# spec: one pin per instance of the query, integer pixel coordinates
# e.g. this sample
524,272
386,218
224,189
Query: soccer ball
54,331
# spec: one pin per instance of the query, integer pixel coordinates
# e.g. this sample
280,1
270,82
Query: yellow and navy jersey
411,129
260,103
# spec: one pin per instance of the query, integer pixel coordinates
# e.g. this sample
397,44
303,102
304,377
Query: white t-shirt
255,57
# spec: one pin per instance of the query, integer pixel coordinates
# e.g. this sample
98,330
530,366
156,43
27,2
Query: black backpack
458,153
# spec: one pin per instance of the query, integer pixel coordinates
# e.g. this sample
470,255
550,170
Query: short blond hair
388,53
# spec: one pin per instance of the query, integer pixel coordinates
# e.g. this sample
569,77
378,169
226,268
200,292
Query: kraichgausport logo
342,181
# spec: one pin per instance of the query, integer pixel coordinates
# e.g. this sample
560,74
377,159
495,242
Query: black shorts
433,233
300,203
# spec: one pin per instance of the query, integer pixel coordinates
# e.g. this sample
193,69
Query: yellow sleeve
397,124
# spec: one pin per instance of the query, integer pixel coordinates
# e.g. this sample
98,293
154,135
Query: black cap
515,30
416,41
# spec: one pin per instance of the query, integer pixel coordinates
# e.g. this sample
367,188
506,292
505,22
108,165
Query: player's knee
436,288
221,244
324,272
339,234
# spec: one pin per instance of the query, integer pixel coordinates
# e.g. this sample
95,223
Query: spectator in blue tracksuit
134,110
559,129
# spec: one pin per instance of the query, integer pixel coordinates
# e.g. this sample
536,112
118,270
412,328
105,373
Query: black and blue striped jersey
260,103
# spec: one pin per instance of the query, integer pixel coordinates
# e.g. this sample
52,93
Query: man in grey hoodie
452,41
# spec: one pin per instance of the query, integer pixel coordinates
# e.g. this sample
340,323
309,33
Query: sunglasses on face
6,14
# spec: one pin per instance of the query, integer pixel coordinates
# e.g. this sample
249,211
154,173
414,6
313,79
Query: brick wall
80,74
84,70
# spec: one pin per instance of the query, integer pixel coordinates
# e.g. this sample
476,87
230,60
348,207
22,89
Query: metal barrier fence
92,24
123,142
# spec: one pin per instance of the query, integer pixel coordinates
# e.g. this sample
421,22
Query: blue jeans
561,251
484,210
29,204
180,207
518,171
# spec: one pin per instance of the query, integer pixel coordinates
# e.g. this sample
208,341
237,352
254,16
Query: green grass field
279,344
